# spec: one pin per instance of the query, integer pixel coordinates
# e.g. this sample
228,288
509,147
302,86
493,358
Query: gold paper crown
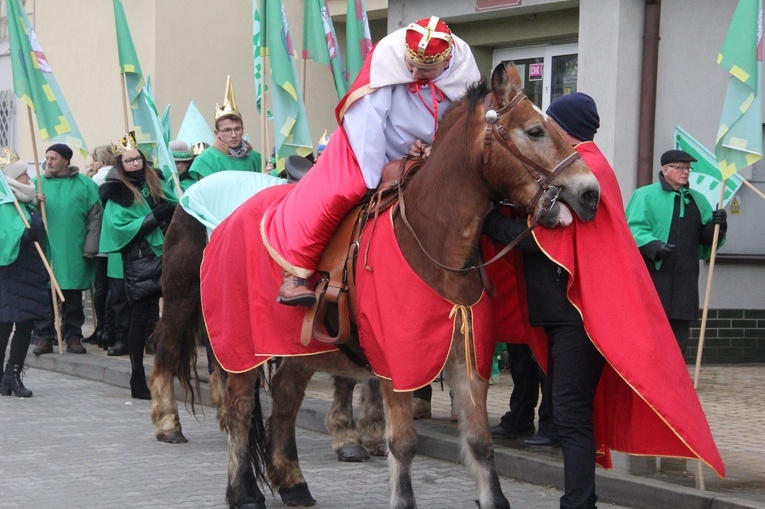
7,157
323,141
124,144
197,148
229,102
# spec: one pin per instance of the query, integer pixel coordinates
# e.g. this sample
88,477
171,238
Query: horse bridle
494,129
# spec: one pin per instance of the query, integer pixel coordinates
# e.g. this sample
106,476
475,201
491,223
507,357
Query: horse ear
505,81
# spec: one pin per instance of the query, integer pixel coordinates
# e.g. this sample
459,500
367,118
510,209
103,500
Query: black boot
118,349
138,387
11,382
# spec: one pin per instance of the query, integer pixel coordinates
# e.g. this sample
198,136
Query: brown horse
492,145
181,328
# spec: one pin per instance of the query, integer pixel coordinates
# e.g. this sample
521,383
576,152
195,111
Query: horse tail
257,439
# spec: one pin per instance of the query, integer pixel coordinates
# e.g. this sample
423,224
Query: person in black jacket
137,210
24,294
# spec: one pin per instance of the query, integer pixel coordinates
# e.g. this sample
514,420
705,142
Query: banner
320,42
739,139
35,85
291,133
194,128
358,40
706,177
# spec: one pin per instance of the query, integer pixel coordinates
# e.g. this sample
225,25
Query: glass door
547,72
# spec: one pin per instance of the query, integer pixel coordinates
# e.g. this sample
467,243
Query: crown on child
124,144
7,157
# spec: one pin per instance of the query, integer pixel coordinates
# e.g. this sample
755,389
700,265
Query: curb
631,491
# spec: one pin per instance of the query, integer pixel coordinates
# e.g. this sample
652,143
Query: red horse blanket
405,327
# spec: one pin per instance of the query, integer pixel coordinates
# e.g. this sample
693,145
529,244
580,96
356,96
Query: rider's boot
295,291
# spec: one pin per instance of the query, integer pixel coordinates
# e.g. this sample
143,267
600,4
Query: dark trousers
117,312
19,344
682,330
573,370
524,371
72,318
143,317
101,291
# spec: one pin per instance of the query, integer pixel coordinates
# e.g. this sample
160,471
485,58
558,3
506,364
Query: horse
181,328
492,145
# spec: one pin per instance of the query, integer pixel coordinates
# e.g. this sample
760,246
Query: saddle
329,320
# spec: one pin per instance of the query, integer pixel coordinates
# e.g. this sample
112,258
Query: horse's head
527,160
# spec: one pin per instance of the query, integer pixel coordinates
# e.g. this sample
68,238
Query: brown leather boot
74,345
43,346
294,291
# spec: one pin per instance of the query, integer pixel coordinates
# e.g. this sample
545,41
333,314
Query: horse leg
164,407
244,445
346,441
217,387
372,419
402,445
469,397
287,392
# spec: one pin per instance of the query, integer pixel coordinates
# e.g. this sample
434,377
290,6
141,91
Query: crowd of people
106,228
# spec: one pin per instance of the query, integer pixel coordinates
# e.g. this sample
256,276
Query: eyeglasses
227,131
134,160
680,168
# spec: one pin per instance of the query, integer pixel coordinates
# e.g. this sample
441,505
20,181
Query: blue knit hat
577,114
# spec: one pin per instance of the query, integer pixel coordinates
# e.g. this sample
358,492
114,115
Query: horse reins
494,129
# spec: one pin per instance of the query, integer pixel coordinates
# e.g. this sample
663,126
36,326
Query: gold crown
124,144
229,102
7,157
197,148
323,141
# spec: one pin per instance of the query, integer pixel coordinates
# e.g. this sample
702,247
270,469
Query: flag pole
264,116
124,102
751,186
53,295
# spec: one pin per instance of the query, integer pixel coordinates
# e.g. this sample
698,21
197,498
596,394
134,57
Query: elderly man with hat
393,108
673,226
73,212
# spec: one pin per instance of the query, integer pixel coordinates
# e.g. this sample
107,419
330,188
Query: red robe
645,402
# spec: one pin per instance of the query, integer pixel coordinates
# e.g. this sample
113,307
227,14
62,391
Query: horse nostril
591,198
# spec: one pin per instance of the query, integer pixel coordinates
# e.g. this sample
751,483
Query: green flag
320,42
166,127
705,177
358,41
739,139
291,133
35,85
6,193
140,106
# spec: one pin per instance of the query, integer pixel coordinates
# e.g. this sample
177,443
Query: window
7,113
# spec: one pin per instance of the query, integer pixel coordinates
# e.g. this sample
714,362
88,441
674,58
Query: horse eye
536,132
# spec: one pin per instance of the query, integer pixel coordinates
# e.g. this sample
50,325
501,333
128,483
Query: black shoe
43,346
540,441
118,349
499,432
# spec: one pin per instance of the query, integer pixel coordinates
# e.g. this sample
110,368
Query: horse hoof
352,453
379,449
297,496
176,437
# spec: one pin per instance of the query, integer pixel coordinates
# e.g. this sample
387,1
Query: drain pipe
647,122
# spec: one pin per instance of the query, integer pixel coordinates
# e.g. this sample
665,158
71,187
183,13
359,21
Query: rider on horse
393,109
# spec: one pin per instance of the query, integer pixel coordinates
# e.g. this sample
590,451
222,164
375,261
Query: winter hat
63,150
15,169
577,114
676,156
181,151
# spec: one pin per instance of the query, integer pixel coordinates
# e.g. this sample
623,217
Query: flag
6,193
195,128
320,42
706,177
291,133
35,85
256,45
140,105
739,139
166,127
358,41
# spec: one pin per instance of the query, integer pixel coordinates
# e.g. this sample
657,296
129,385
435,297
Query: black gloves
720,217
30,234
163,211
664,251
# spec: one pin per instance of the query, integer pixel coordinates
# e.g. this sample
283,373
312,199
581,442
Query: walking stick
53,295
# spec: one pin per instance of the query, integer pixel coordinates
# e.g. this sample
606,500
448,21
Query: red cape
645,402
